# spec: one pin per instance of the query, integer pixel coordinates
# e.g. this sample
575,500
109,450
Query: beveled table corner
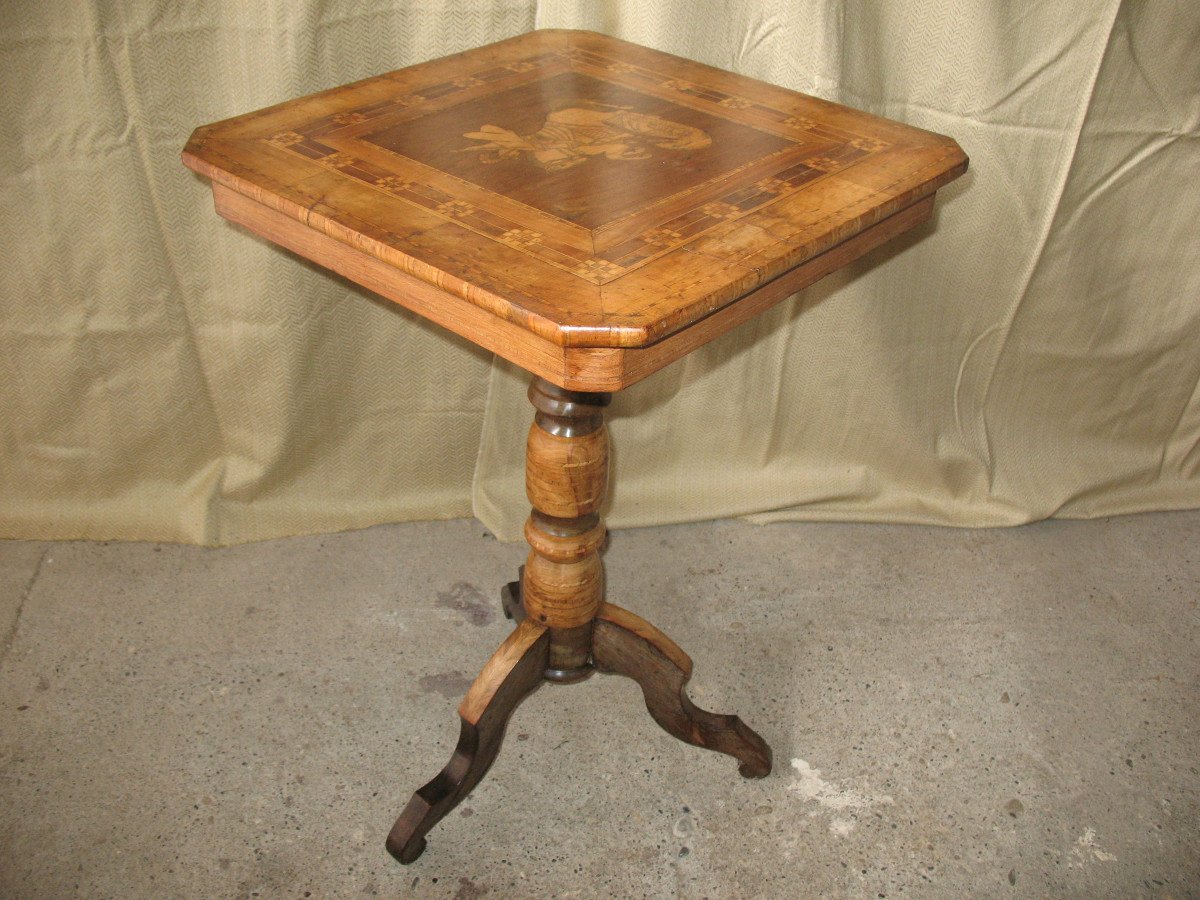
590,210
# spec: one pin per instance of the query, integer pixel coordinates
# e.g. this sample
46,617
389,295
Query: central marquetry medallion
569,136
529,143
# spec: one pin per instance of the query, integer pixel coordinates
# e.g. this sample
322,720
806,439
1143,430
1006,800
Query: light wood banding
570,367
572,201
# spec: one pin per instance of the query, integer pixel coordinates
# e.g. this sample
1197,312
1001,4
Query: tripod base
622,644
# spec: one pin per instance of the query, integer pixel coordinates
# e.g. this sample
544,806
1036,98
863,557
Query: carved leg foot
510,598
511,675
626,644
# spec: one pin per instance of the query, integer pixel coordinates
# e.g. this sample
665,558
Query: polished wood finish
512,674
566,478
628,645
564,629
592,211
566,191
574,368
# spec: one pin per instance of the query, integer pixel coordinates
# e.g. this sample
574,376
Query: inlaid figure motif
569,136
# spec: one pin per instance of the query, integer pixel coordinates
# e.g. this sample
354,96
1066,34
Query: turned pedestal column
565,629
566,477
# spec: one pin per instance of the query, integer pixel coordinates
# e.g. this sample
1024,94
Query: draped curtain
1034,351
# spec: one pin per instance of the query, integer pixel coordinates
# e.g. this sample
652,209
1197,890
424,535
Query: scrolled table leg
512,674
626,644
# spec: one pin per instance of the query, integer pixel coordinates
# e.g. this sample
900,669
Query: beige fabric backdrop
1034,352
163,374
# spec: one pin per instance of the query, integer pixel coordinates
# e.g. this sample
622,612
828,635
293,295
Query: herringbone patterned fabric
1035,352
166,376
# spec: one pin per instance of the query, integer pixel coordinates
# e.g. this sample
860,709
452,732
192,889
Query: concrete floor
1006,713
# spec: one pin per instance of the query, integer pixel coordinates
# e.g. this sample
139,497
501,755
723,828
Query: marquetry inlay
528,141
572,135
591,191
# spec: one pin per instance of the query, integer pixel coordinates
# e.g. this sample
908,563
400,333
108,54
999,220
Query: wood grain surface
566,191
566,478
625,644
513,673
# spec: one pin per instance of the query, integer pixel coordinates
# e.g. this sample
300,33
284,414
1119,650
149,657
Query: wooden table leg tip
408,852
758,765
755,768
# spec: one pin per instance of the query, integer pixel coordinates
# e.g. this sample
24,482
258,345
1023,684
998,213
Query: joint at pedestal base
621,643
570,676
514,608
565,631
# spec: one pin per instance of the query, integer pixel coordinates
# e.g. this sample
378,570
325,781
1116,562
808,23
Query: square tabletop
586,207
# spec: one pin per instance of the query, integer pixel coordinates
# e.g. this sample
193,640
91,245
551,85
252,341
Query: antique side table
590,210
